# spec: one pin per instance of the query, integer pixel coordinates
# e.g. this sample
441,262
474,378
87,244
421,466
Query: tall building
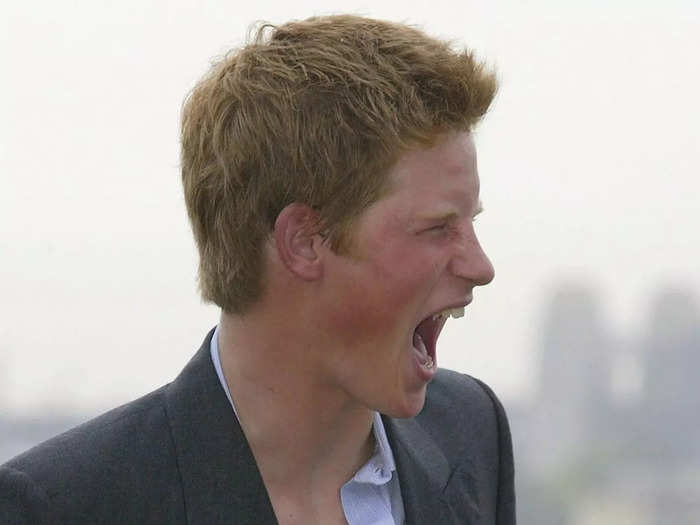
670,347
575,357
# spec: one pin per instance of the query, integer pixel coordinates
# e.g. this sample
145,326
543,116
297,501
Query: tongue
421,350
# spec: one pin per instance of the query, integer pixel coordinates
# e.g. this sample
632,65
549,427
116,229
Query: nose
471,263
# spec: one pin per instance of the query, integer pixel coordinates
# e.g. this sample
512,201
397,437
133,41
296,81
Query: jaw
409,407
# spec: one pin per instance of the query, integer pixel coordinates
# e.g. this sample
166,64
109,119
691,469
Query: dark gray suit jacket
178,455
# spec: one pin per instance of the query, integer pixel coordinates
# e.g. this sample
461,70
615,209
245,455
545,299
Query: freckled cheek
384,310
372,315
399,281
365,313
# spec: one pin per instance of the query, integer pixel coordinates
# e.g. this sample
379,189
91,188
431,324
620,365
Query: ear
298,241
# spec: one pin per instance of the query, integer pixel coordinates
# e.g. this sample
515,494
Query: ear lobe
298,241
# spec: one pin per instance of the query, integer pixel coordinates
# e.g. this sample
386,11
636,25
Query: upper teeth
456,313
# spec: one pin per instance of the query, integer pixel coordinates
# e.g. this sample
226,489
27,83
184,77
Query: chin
408,407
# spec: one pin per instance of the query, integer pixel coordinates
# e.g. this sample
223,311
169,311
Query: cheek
367,309
386,299
380,296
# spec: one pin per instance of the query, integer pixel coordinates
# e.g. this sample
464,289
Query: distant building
613,434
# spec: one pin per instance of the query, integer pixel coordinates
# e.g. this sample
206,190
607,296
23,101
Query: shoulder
468,423
122,434
97,465
461,398
22,501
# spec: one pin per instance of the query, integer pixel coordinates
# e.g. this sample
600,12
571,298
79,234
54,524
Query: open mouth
426,335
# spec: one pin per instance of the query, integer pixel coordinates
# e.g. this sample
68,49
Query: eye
440,231
438,227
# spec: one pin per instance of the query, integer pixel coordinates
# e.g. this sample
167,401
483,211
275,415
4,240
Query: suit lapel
423,470
424,475
220,479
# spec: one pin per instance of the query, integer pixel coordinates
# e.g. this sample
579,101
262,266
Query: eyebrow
450,215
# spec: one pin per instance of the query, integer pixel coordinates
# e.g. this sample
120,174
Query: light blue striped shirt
373,495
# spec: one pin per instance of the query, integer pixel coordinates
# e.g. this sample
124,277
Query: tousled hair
315,112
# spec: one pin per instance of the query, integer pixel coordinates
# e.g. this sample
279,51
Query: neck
302,431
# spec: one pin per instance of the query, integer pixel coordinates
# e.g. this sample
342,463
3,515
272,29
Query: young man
331,180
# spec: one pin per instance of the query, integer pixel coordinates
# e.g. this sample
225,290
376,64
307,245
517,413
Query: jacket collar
220,480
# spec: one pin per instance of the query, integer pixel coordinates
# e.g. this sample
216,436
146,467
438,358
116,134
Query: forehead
443,175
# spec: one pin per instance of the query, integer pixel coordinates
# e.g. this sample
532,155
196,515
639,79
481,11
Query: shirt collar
380,467
214,349
378,470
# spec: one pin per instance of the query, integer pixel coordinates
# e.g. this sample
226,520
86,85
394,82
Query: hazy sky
589,168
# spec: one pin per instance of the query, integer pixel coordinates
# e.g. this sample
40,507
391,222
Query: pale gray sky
589,167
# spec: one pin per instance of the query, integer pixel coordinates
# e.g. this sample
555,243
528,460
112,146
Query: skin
317,371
